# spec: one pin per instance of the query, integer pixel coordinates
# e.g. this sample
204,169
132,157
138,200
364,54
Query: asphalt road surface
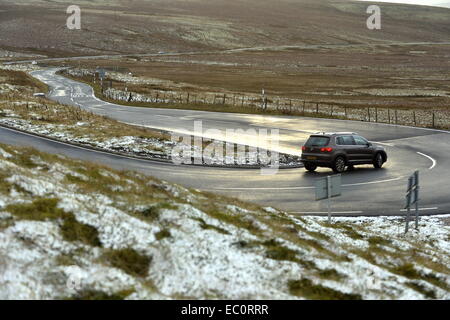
366,191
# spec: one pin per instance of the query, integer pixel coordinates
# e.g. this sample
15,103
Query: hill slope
78,230
178,25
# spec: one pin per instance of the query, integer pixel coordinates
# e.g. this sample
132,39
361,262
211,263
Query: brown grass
307,289
19,78
42,112
177,26
305,74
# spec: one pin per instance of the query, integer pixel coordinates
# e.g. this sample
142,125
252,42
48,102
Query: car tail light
303,148
326,149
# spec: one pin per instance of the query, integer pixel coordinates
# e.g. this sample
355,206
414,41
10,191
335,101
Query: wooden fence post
396,117
434,123
317,108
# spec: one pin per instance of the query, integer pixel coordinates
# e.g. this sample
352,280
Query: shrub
306,288
129,260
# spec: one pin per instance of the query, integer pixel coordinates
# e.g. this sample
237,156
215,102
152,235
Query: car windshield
317,141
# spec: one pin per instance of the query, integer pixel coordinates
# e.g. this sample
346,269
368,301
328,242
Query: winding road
365,191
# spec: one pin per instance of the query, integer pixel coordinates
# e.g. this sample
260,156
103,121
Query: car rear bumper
317,159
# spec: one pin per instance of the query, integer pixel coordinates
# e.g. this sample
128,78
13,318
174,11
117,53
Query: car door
347,143
364,150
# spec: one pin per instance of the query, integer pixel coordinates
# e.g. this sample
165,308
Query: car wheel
339,165
310,167
378,161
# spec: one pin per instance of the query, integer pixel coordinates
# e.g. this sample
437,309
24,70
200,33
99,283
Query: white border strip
311,187
334,212
427,156
421,209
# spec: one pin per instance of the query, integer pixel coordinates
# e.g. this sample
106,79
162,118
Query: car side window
345,141
360,141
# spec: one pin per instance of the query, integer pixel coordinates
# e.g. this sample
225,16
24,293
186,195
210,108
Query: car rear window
317,141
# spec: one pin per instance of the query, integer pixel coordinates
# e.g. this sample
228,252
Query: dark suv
340,150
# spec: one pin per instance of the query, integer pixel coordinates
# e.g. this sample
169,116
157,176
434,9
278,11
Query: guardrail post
396,117
317,108
433,123
414,116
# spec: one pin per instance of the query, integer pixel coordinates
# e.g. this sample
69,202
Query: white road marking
421,209
384,143
372,182
333,212
311,187
427,156
280,188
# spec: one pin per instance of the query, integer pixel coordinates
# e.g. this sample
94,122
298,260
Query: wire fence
428,118
439,119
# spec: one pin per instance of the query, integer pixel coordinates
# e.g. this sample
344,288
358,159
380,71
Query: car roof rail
334,133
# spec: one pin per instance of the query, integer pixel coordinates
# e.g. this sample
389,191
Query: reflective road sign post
327,188
412,198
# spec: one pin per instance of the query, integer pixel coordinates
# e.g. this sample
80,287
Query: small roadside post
412,198
101,74
327,188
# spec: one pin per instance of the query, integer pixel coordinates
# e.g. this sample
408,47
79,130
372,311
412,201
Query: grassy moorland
141,26
390,76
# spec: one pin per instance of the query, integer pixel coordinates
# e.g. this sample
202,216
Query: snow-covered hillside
70,229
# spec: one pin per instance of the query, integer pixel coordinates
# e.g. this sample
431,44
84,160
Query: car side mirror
369,144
